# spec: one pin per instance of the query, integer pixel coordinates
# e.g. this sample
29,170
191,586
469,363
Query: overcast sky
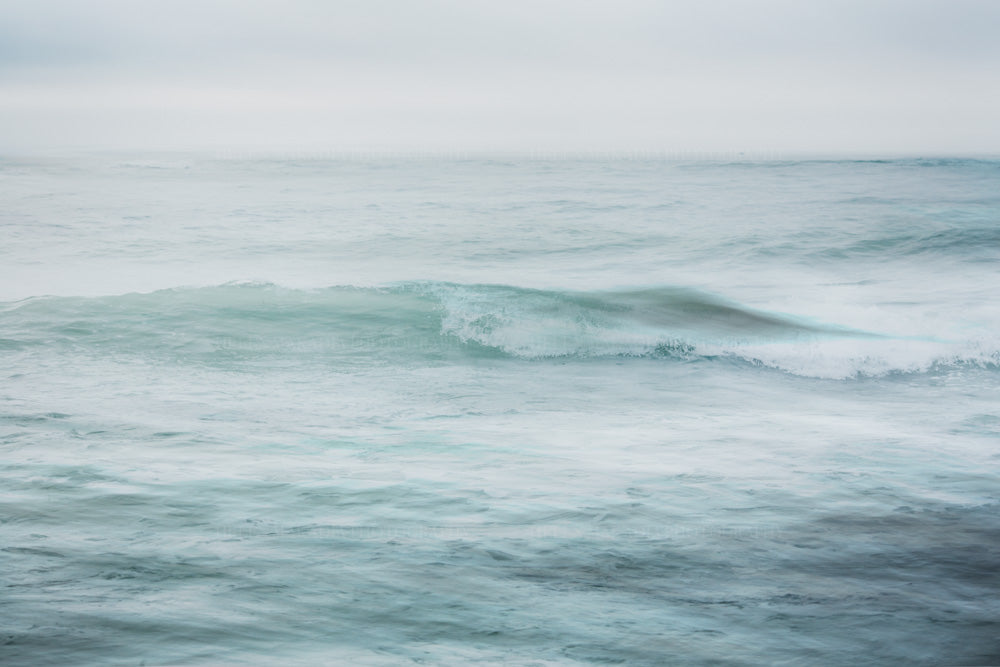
871,77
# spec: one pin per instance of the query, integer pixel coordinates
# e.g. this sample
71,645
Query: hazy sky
872,76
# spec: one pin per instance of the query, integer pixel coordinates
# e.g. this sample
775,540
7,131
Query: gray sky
871,77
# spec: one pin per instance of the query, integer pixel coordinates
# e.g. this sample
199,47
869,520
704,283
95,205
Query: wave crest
422,321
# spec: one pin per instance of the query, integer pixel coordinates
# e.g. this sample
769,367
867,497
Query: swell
426,321
974,244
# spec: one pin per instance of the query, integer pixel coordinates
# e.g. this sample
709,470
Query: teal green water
499,411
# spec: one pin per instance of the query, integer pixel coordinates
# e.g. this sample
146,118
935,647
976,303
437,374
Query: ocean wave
975,244
427,321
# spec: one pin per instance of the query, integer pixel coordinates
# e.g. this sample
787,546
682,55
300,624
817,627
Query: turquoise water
515,411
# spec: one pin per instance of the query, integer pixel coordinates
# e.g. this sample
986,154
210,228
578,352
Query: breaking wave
434,321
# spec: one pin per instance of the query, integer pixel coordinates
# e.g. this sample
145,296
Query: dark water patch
32,551
714,598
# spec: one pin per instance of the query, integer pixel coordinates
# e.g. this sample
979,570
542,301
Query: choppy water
517,411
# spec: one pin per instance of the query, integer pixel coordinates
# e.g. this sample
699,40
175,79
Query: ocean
525,410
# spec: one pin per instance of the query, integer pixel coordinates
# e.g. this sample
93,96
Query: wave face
428,321
499,411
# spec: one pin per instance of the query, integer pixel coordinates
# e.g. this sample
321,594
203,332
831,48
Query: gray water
519,411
